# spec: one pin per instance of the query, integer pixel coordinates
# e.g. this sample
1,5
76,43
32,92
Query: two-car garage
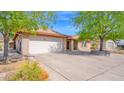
43,42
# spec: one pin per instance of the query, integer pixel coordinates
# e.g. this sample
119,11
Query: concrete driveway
71,66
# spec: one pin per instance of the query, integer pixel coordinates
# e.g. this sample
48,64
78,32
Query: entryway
75,45
72,45
68,45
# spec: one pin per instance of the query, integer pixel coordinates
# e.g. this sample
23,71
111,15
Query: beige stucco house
44,41
48,41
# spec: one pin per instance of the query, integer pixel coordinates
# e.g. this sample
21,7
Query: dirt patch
10,66
8,69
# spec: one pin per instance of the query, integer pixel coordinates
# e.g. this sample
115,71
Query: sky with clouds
63,23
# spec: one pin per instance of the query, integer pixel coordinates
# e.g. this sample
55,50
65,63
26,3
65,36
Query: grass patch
10,66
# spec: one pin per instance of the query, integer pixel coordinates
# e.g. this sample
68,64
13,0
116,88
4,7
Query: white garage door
38,45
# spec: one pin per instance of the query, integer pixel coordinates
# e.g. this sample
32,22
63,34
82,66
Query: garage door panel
45,46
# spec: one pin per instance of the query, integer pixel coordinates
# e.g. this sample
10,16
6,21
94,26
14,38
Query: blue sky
64,24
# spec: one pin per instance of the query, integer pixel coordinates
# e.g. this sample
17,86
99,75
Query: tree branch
106,33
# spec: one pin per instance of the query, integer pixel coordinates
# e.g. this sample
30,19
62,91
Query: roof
42,32
73,37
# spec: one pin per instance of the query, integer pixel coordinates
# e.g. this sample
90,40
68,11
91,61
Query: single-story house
111,45
47,41
120,43
44,41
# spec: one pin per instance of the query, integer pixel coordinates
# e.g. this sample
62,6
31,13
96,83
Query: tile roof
42,32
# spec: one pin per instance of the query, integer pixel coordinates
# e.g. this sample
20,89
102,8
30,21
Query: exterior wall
88,44
110,45
25,46
44,44
65,44
22,43
106,45
72,45
81,47
18,40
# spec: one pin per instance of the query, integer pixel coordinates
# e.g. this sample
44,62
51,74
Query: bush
93,46
30,70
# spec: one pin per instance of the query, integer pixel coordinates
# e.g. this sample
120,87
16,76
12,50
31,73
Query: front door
75,45
68,45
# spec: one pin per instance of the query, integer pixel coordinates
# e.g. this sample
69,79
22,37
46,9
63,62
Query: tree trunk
101,44
6,43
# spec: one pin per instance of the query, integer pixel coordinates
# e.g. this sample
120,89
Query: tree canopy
108,24
102,25
13,21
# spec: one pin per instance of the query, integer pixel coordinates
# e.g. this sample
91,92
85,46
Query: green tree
100,25
12,21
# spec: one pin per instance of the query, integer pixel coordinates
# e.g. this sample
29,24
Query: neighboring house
110,45
120,43
45,41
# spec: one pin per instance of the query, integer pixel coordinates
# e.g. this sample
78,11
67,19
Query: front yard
68,66
21,68
26,70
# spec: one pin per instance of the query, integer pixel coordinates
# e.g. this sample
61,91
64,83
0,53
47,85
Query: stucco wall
22,45
65,44
25,46
110,45
18,40
80,46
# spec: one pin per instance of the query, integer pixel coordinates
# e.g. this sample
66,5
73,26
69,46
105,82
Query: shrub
30,70
93,46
